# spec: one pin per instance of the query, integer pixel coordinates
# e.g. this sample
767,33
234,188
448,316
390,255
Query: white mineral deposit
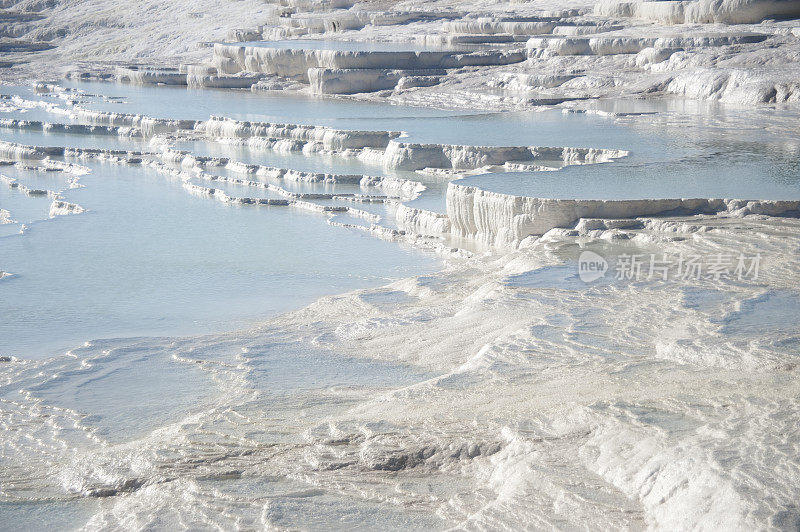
410,265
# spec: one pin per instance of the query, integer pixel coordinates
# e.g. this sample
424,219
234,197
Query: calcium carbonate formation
738,51
537,398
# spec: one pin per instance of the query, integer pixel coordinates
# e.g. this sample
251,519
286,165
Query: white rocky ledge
625,44
699,11
296,63
505,220
412,156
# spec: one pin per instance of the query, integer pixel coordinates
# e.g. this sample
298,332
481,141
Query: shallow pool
148,257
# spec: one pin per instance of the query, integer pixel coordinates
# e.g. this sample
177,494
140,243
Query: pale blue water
699,161
39,138
731,174
149,259
202,423
199,104
180,264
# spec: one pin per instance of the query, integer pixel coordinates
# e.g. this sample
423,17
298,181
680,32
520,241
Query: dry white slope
702,49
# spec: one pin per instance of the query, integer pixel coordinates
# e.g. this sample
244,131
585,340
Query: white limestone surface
735,51
505,220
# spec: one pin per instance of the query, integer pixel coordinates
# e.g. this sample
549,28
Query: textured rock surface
735,51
